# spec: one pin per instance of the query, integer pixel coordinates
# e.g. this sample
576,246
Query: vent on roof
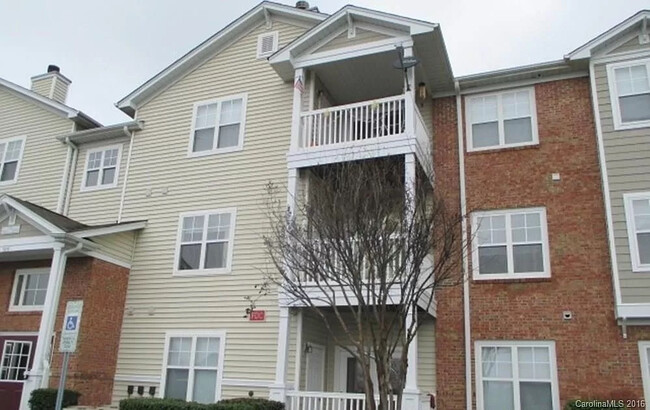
267,44
302,5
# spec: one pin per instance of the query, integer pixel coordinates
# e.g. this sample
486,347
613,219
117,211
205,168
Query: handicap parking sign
71,322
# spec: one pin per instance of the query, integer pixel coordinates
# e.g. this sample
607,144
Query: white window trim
221,334
637,266
478,349
2,357
613,94
24,272
502,144
242,126
476,275
20,158
231,244
100,187
275,35
645,374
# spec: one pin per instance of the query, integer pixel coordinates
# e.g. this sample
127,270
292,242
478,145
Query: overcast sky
108,48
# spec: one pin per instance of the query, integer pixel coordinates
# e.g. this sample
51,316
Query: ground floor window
516,375
193,366
15,359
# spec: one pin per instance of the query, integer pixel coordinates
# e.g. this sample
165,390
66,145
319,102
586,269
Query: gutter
463,210
70,165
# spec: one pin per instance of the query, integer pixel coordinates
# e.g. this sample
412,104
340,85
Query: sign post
68,343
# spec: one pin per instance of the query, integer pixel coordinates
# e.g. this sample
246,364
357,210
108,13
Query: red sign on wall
257,315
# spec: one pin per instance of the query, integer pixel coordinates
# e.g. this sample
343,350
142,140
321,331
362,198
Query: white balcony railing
314,400
350,123
337,265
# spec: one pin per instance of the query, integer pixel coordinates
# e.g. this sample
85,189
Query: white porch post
40,371
299,75
409,96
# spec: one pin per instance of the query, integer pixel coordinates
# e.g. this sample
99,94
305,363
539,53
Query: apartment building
156,223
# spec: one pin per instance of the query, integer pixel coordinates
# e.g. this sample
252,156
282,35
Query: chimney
52,84
302,5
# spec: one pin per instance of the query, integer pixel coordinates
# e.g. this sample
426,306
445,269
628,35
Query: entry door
16,357
315,369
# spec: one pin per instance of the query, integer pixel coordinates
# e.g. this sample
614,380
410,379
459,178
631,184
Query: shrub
173,404
45,399
592,404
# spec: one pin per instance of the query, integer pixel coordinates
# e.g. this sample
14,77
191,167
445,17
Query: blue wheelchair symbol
71,323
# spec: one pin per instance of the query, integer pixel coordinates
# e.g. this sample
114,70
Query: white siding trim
613,94
514,344
99,185
221,334
476,275
637,266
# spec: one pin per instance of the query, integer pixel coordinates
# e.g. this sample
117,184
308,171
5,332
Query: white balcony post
411,393
278,390
299,76
38,375
409,95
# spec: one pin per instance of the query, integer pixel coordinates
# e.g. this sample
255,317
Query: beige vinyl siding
60,91
427,355
99,206
342,40
627,154
630,46
41,170
237,179
118,246
43,86
26,230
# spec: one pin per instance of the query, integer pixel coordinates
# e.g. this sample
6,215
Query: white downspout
70,181
131,134
64,180
463,210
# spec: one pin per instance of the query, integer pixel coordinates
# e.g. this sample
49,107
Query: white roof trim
207,49
43,225
415,27
59,108
584,51
108,230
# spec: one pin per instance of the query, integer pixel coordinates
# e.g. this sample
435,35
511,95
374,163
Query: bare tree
365,254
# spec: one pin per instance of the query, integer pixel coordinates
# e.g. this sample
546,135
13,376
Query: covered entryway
17,357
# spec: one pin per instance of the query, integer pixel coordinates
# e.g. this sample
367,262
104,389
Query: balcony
317,400
368,129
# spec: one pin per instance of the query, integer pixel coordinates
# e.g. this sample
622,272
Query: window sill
490,150
22,311
98,188
641,269
214,151
203,272
13,181
631,126
518,279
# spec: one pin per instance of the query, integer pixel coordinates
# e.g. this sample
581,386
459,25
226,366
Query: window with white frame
629,85
193,366
516,376
15,360
637,214
11,155
218,125
503,119
29,290
510,244
267,44
644,353
205,241
102,168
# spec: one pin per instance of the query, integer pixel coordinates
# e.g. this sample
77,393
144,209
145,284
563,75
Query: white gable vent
267,44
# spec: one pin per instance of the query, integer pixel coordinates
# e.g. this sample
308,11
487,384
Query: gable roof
585,51
210,47
47,103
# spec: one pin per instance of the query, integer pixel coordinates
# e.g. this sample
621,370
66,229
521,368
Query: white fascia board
27,214
108,230
584,51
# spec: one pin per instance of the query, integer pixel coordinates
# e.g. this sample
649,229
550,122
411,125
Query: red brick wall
593,359
102,287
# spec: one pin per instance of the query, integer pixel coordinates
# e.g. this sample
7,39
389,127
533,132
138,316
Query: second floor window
637,211
102,168
503,119
630,94
510,244
218,125
11,154
205,242
30,288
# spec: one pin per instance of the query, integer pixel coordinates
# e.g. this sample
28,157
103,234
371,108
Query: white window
267,44
218,126
629,85
503,119
193,366
30,288
516,376
205,242
102,168
637,214
510,244
15,360
11,155
644,350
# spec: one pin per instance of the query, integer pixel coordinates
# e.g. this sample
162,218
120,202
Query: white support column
39,373
409,181
278,390
299,349
411,393
409,94
299,75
